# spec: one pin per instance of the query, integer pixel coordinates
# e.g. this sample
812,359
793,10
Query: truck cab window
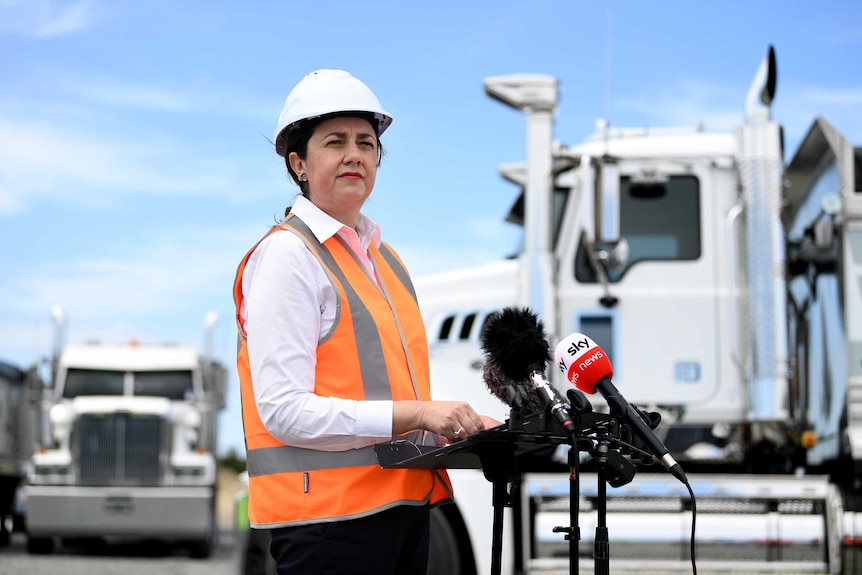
660,221
92,382
559,198
171,384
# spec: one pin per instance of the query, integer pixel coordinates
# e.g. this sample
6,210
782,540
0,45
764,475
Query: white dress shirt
288,306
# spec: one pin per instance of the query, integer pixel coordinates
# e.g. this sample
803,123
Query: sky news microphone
587,367
517,353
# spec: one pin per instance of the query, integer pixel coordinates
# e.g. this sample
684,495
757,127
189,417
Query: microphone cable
693,524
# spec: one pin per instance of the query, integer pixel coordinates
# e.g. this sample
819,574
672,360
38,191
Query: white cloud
489,230
148,276
692,103
45,18
51,161
177,94
849,97
427,260
797,108
113,93
686,103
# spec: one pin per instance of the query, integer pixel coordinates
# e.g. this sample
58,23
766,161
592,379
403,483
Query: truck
126,447
725,284
16,443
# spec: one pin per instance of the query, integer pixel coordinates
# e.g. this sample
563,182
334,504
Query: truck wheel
40,545
201,549
443,554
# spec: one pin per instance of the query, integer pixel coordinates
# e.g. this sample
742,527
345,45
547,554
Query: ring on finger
457,433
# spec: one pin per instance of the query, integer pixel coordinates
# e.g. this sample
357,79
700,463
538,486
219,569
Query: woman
333,356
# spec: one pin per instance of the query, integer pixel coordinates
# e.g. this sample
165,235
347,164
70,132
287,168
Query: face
341,165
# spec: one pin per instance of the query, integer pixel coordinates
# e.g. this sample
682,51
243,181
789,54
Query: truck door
658,316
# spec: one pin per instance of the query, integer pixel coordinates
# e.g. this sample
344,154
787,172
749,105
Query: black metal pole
602,549
500,499
574,534
573,530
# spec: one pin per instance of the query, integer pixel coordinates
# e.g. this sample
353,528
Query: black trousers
392,542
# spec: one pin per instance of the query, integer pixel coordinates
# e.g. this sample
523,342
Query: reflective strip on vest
372,364
399,270
404,278
266,460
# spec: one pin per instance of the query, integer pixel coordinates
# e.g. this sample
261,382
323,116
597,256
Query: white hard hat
326,92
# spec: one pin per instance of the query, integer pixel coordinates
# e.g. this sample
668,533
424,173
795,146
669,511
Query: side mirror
615,256
608,218
824,227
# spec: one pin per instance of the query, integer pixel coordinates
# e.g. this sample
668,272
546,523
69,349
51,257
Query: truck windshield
170,384
92,382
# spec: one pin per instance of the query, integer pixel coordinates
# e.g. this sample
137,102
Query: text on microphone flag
577,356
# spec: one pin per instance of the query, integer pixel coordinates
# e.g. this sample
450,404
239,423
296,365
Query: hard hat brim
383,121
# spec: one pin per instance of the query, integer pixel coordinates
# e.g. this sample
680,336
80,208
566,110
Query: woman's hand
453,420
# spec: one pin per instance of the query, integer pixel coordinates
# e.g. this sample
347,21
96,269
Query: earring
303,177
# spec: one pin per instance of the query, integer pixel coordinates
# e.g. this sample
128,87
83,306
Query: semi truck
16,443
126,447
725,284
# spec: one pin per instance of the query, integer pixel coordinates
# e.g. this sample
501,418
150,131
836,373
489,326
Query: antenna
608,61
210,321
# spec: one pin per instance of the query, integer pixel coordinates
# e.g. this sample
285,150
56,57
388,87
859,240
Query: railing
753,524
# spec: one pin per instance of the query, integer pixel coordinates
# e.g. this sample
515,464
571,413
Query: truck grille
120,449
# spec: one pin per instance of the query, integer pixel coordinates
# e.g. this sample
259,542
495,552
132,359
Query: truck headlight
191,425
189,471
52,469
191,435
61,418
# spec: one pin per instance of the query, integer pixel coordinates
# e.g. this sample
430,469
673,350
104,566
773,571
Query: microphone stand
623,472
602,547
499,478
500,471
573,530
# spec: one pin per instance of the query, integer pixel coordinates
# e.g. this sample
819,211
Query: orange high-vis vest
377,350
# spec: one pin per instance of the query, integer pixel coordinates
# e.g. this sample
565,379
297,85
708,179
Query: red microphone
587,367
591,366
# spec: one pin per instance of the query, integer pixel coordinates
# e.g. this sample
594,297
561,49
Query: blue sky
136,169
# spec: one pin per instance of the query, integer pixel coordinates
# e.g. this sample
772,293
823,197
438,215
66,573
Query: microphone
587,367
503,388
517,353
578,401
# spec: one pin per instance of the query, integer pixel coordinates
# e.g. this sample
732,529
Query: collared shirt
288,306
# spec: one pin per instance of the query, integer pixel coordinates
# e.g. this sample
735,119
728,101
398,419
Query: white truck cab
128,447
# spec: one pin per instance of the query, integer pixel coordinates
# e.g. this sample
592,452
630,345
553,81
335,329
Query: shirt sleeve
288,300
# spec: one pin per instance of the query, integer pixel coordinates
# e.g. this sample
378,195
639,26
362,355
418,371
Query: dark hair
297,141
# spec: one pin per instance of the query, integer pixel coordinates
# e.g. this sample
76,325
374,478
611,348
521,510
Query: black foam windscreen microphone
517,351
504,389
503,377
